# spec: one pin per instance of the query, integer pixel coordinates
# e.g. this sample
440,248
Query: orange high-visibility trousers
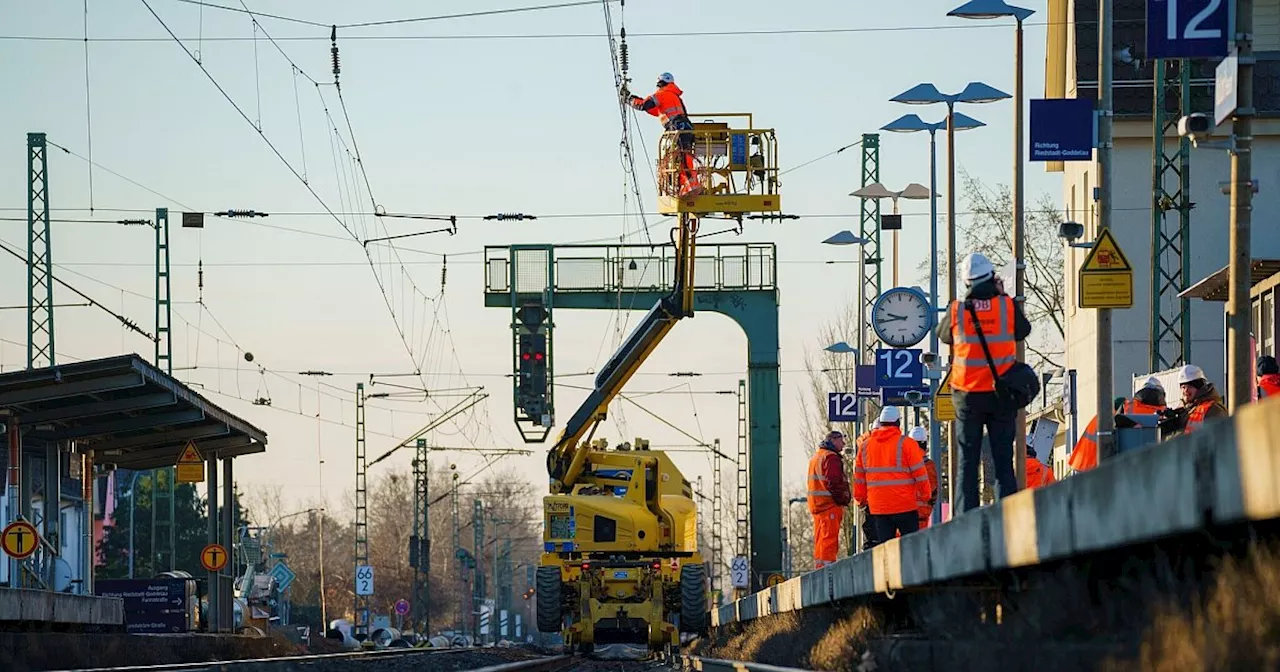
826,536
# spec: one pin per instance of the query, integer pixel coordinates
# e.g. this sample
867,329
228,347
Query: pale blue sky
451,126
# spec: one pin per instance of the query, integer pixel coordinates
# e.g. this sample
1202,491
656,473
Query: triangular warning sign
1105,255
944,388
190,455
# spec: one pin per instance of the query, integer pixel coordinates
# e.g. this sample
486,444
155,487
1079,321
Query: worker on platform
1268,377
973,383
1200,402
925,509
1150,400
828,495
1038,473
668,106
889,478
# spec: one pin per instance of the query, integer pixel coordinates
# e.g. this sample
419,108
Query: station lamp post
995,9
876,190
911,123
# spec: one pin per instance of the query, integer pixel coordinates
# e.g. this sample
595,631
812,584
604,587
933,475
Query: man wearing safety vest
667,105
1149,400
889,478
925,510
828,495
1200,402
972,383
1268,377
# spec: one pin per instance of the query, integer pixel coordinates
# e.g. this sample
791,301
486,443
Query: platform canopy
1216,287
134,415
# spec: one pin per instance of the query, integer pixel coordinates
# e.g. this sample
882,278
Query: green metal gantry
1170,217
737,280
477,582
39,257
420,541
362,512
870,231
164,509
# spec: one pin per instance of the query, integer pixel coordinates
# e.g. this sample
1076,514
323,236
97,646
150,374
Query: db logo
982,304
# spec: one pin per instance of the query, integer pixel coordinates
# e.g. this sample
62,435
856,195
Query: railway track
386,660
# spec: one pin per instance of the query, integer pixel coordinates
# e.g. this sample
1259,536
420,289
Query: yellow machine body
738,167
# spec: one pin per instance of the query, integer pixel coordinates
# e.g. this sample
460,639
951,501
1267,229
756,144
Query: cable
975,25
491,12
290,19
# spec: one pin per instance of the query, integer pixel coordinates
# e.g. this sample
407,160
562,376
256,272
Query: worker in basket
667,105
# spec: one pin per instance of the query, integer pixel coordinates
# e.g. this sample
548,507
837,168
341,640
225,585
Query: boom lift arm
566,459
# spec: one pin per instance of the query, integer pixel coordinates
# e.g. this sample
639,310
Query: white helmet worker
889,415
1189,374
666,78
1153,383
977,267
918,435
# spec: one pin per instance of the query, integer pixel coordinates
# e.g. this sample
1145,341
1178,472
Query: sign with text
190,467
1106,276
1063,129
151,606
842,407
944,407
1188,28
364,579
1225,96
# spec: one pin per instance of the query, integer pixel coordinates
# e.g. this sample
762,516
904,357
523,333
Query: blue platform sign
865,379
1063,129
899,367
151,606
842,407
1188,28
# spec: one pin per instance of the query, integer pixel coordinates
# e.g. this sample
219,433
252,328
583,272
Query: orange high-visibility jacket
665,103
1085,454
925,509
1269,385
828,487
1038,473
889,475
970,371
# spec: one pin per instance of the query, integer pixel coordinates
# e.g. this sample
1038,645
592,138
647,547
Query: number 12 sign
1189,28
899,367
842,407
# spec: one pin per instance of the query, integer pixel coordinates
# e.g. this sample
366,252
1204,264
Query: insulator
333,50
200,274
444,271
623,53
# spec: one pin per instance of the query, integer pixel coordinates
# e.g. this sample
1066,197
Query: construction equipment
621,561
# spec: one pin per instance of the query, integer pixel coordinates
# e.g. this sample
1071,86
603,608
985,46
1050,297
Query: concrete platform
1227,472
38,606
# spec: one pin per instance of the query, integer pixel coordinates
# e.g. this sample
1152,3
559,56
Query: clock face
901,318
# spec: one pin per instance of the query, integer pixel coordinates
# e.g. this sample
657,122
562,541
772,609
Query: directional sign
1063,129
1106,277
775,579
151,606
213,558
283,574
739,573
944,408
1225,93
402,606
899,367
1188,28
190,464
364,580
842,407
20,540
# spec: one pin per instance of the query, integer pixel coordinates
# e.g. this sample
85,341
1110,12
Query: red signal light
586,565
537,356
525,356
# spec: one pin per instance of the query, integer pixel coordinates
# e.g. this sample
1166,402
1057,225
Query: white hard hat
977,267
1189,373
889,415
667,78
918,434
1153,383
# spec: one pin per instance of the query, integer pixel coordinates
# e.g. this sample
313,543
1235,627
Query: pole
1106,444
952,448
1238,369
324,607
133,500
935,431
1019,248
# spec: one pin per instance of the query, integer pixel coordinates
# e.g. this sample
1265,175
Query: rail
700,664
544,664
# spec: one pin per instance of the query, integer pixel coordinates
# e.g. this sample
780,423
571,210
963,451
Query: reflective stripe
898,481
825,493
1004,335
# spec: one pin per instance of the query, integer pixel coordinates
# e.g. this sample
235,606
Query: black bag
1020,384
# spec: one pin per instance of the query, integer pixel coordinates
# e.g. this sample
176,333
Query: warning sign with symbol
944,408
20,540
190,464
1106,277
775,579
213,557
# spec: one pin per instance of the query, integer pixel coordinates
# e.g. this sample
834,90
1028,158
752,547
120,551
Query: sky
468,117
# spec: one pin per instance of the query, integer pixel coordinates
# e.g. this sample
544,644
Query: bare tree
828,372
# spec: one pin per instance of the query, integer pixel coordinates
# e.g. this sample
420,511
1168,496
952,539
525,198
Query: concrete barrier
17,604
1226,472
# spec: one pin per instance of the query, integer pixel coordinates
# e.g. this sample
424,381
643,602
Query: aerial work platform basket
737,167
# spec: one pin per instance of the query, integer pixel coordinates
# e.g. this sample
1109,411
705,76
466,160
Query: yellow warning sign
1106,277
775,579
20,540
944,408
213,557
190,464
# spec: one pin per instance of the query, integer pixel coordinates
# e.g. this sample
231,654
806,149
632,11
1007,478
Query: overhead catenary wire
392,22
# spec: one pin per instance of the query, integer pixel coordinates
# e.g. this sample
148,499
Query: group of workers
895,484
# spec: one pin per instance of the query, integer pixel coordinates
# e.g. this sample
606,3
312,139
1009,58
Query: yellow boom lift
620,559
